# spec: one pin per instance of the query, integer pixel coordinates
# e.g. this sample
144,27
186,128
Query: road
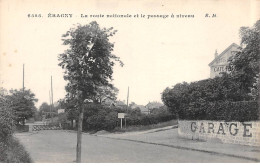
59,146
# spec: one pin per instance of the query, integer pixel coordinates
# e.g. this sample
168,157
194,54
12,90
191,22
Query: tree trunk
79,136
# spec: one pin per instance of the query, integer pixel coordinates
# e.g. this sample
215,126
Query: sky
156,52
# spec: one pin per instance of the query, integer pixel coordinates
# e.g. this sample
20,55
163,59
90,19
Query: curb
163,129
185,148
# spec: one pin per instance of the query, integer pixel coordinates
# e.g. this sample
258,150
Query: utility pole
52,102
127,100
127,104
23,77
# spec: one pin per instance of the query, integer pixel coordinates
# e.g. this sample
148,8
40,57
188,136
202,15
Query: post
50,99
23,77
121,123
127,100
51,92
79,136
127,104
50,107
52,102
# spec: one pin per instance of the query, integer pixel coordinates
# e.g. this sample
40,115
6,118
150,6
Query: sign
121,115
231,128
61,111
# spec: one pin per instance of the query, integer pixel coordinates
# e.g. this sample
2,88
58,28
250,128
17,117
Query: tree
153,104
104,93
6,117
88,65
45,109
22,103
184,96
246,61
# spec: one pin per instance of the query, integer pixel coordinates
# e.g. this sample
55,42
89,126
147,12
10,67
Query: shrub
13,152
10,149
225,110
211,99
98,117
6,120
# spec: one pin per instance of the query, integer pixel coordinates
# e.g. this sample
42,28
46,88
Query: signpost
121,116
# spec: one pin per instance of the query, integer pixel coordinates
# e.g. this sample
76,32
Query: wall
247,133
43,127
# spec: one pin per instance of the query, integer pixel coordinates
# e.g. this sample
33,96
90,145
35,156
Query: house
220,62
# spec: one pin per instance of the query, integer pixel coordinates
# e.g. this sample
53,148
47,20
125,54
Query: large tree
88,63
22,103
246,63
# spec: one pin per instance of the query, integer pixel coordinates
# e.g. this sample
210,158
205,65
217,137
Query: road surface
52,146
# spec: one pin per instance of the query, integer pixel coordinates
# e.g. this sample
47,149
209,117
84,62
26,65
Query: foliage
153,104
99,117
88,62
37,116
10,149
157,115
45,109
224,110
70,108
6,117
106,93
246,61
22,104
13,152
217,89
189,100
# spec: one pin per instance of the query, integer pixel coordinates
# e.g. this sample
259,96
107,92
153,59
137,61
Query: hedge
99,117
11,151
225,110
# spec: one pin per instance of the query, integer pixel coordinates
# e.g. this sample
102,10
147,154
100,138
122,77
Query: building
220,62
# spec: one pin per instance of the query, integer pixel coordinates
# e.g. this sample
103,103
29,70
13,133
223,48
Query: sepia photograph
129,81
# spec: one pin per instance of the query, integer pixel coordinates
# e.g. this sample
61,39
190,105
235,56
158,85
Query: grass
146,127
12,151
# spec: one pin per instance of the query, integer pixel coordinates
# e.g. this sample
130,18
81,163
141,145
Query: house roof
220,55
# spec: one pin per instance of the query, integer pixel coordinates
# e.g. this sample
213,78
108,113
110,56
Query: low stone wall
43,127
243,133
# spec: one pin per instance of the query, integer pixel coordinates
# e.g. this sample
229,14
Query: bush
219,98
98,117
21,128
226,110
6,120
13,152
10,149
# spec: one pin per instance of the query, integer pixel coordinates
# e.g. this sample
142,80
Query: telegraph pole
127,104
23,77
52,102
51,92
127,99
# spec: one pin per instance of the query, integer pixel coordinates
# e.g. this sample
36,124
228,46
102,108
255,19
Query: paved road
60,146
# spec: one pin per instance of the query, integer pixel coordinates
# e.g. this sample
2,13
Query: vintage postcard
129,81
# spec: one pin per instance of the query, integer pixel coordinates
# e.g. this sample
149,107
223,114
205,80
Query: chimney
216,54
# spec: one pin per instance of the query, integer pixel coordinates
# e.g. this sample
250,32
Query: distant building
154,104
220,62
142,108
112,103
